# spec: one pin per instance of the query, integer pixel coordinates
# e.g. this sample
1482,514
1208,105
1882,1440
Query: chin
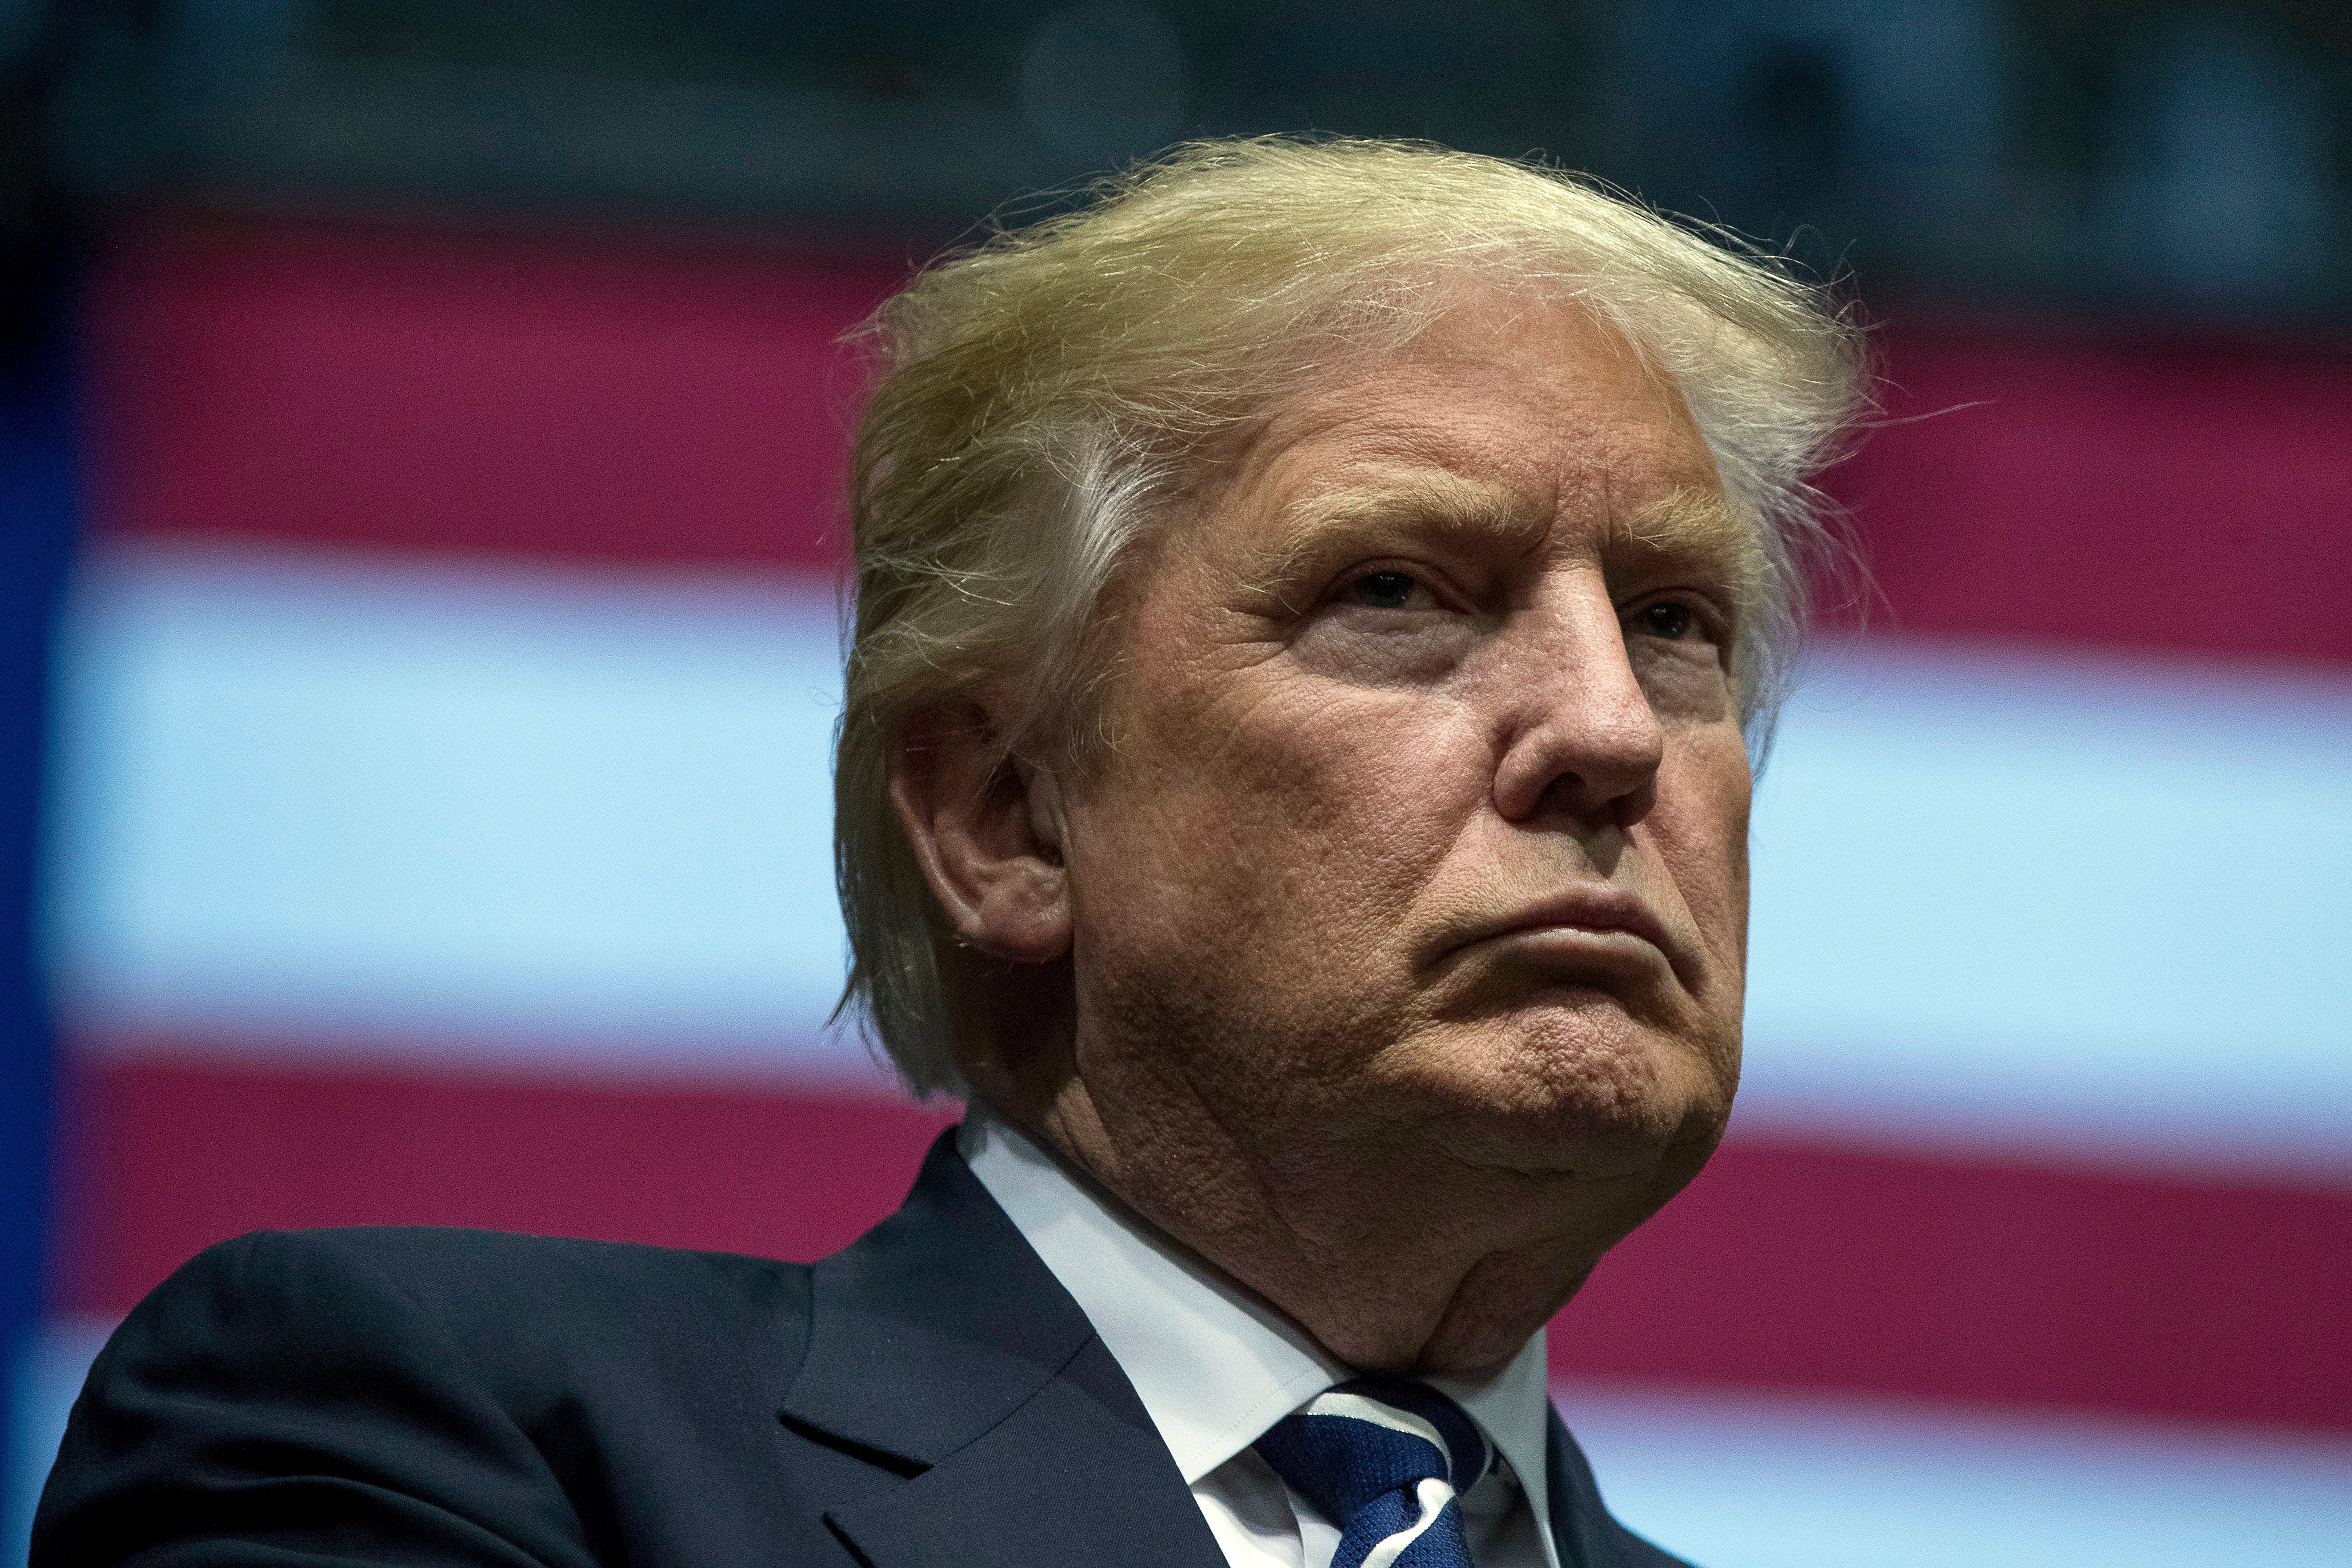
1580,1087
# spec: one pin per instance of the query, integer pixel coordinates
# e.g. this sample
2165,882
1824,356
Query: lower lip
1585,945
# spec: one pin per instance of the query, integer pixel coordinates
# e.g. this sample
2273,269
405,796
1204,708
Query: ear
988,837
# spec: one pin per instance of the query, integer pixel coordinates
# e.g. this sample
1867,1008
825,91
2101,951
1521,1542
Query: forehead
1507,417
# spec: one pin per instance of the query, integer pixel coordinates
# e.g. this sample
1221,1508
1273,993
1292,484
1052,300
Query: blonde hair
1045,395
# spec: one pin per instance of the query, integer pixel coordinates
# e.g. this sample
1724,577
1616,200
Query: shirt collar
1214,1367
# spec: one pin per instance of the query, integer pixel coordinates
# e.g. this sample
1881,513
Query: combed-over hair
1043,396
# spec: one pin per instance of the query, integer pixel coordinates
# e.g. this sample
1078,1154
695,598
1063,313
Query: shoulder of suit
507,1303
447,1266
424,1258
470,1376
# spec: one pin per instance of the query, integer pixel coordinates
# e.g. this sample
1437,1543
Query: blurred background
420,429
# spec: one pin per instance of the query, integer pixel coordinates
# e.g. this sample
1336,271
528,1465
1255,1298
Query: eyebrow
1437,501
1692,523
1450,502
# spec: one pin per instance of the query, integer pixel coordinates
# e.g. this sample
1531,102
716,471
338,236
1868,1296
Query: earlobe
987,833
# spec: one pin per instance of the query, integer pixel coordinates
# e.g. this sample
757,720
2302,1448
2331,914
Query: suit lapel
941,1344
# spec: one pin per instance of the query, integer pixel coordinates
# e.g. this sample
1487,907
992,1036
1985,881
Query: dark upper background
2128,159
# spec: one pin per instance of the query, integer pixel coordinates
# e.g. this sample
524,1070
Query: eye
1667,620
1384,590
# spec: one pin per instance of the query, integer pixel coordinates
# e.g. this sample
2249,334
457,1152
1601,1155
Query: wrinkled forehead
1689,517
1508,422
1483,373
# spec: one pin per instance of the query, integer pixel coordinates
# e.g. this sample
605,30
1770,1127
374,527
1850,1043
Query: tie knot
1379,1456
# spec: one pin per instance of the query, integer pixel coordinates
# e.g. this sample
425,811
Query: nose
1575,733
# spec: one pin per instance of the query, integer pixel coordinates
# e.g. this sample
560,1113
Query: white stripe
301,800
1741,1480
2068,904
1433,1495
2080,906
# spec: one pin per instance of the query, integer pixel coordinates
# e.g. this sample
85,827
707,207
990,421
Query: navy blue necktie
1384,1459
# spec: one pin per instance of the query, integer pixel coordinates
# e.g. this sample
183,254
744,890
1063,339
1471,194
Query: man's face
1422,834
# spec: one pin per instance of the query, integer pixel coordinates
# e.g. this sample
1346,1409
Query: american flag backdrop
439,830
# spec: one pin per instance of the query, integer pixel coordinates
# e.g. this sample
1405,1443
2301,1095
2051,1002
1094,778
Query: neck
1395,1255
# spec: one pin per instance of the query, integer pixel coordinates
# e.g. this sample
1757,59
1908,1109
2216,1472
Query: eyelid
1720,622
1424,576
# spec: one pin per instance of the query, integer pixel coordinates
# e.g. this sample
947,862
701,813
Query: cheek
1282,841
1702,826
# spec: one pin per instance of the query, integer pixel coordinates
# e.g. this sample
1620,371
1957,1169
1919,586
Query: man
1316,607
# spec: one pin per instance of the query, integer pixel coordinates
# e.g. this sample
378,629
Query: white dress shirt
1215,1369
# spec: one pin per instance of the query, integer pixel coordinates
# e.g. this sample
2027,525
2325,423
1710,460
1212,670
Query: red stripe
1794,1265
1785,1266
2157,494
392,388
167,1159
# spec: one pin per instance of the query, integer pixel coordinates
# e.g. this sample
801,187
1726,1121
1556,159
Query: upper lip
1588,907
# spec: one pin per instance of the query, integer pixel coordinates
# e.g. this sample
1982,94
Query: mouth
1594,924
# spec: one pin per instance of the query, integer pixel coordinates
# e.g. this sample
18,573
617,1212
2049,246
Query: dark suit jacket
931,1395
